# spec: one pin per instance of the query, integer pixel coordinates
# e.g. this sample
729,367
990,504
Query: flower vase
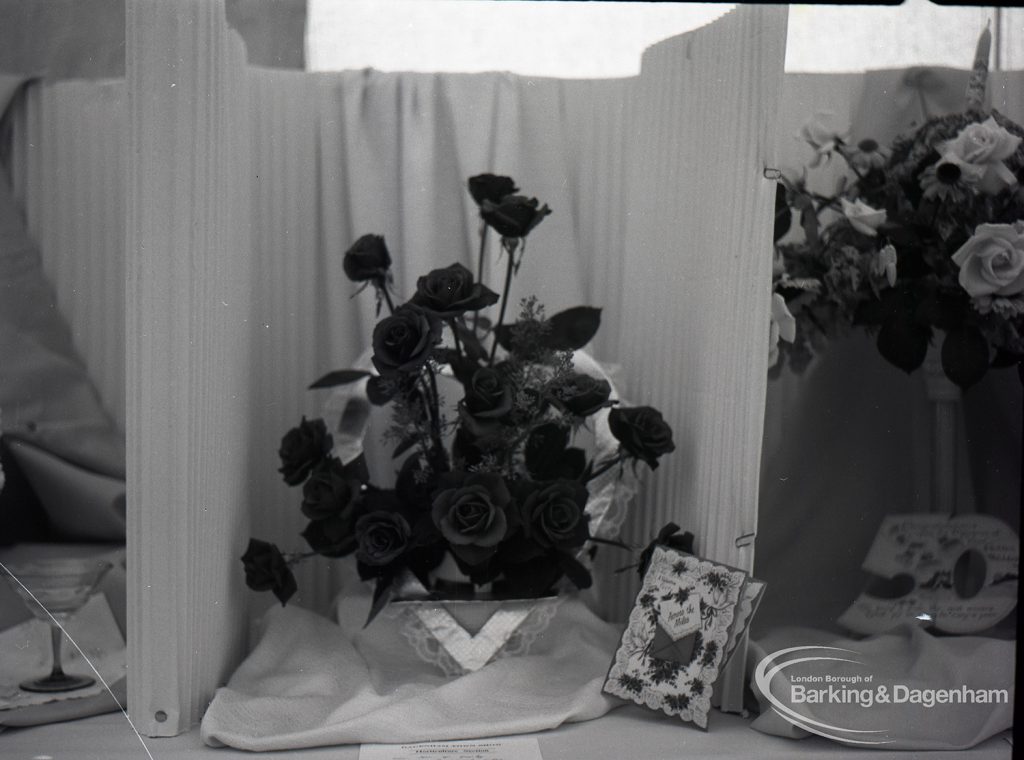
459,629
944,398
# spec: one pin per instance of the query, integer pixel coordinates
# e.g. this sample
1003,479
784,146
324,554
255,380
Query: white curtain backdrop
321,178
661,217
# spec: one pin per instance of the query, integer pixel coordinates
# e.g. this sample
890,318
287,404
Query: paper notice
511,748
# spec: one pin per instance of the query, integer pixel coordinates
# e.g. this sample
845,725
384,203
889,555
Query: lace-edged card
688,616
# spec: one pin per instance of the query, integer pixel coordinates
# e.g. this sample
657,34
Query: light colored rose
992,261
782,325
885,263
862,217
822,133
983,146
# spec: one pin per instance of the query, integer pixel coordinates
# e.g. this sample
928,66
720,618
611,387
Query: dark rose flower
302,449
491,187
553,515
382,536
404,341
451,292
267,570
643,433
488,395
333,536
330,490
367,259
514,216
470,513
582,394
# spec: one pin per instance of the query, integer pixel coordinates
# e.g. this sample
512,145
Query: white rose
984,146
885,263
992,261
782,325
862,217
823,134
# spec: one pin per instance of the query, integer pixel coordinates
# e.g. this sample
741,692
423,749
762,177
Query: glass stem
55,640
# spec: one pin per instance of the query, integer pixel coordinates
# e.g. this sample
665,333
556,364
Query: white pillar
694,332
187,355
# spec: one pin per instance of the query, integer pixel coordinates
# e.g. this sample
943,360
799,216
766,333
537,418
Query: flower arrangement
922,238
499,487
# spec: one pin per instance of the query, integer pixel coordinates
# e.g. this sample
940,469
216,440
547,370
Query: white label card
506,748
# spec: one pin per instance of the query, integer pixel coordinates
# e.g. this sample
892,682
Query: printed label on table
513,748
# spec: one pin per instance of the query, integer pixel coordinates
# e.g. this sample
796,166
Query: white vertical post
698,275
187,357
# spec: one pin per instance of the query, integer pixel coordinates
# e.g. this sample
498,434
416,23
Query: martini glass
53,589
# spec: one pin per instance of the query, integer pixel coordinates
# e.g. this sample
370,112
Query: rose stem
606,466
387,297
504,299
455,335
480,268
436,416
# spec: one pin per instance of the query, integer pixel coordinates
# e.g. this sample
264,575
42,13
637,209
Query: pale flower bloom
983,146
782,326
862,217
992,261
885,263
823,134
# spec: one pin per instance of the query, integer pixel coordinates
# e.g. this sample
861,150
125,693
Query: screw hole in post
160,716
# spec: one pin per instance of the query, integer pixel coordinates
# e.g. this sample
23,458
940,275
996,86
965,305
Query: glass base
58,683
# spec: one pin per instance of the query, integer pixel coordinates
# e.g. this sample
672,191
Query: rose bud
302,448
581,394
404,341
367,259
514,216
488,395
451,292
642,432
491,187
267,570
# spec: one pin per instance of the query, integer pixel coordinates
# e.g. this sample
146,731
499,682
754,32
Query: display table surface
628,732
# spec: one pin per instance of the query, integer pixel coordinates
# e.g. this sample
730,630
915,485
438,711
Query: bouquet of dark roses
498,485
921,241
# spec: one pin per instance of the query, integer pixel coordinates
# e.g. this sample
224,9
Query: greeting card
688,616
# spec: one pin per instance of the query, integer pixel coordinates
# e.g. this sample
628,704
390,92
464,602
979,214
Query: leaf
783,214
575,571
470,341
809,221
544,448
503,334
903,341
382,594
380,391
339,377
1004,359
573,328
404,446
965,357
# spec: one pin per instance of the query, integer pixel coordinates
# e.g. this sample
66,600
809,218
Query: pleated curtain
242,197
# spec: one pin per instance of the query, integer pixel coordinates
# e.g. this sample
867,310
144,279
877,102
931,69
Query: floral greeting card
688,615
